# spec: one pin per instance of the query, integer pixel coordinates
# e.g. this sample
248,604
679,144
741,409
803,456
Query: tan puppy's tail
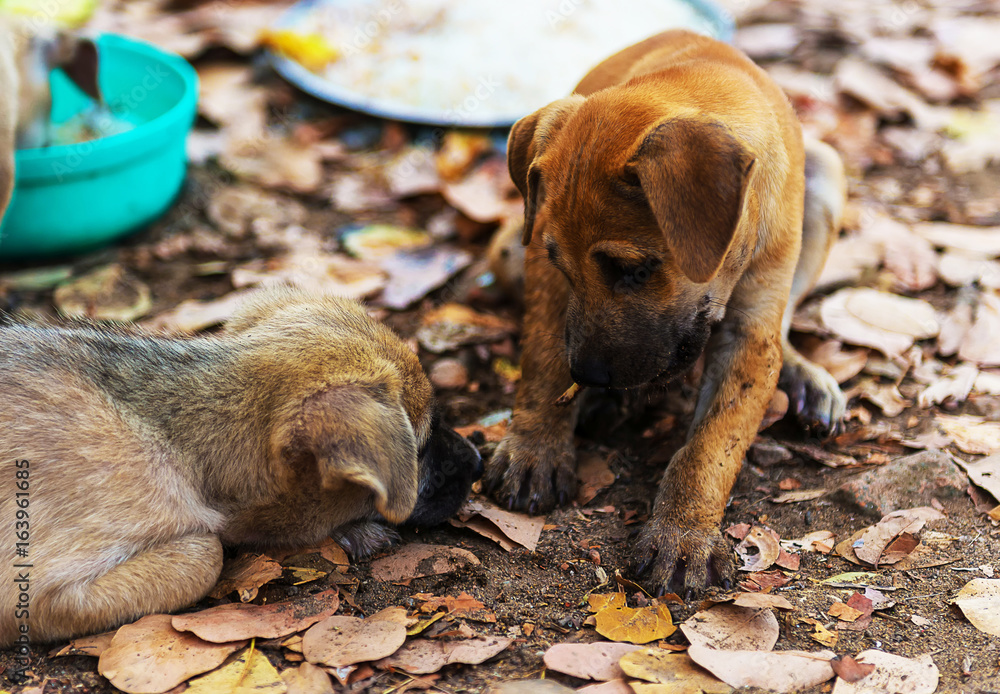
826,196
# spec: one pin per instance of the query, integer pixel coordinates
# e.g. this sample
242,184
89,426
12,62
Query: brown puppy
130,460
28,51
666,214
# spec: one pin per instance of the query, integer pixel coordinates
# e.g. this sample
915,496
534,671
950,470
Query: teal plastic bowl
75,198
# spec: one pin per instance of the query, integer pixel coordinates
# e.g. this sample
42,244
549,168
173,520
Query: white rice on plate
479,59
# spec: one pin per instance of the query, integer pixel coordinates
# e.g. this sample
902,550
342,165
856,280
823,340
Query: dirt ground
547,588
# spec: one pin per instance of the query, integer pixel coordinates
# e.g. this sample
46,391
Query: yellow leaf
312,51
301,575
599,602
251,672
640,625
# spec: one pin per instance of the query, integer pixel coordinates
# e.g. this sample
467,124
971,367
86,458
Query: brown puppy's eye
626,275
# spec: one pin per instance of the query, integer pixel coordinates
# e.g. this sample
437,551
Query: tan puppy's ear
528,139
695,176
357,435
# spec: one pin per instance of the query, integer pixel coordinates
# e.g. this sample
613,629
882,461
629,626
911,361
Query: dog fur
667,215
139,457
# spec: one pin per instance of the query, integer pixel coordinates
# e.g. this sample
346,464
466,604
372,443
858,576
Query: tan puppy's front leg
743,359
534,467
164,578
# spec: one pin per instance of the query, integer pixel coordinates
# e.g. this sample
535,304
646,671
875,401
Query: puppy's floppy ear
528,139
358,435
694,175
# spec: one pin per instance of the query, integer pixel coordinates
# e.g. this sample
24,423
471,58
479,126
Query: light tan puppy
127,461
667,214
28,51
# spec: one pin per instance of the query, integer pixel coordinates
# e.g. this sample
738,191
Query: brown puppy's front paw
684,557
531,473
813,396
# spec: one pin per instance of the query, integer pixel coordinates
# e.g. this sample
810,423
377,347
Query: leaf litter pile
868,562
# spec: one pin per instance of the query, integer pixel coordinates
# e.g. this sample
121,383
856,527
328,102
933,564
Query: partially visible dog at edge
672,209
29,50
130,460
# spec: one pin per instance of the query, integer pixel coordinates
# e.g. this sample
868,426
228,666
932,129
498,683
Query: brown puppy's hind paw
813,396
531,475
683,560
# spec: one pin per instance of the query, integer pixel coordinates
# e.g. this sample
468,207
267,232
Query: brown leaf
588,661
766,543
844,612
419,560
452,325
87,645
506,528
245,574
843,364
414,274
762,600
979,601
732,627
150,656
850,670
874,542
424,656
193,316
274,161
676,670
883,321
340,641
975,435
984,473
307,679
594,474
799,496
892,673
483,195
982,343
818,541
776,671
237,621
108,293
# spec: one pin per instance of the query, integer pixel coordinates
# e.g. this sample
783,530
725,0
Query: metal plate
715,22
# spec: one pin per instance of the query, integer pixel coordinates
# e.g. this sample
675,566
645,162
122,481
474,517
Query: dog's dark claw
563,497
689,595
533,507
643,567
661,591
511,501
727,584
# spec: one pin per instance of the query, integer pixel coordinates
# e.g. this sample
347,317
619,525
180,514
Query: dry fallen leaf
150,656
108,293
981,343
818,541
594,474
984,473
424,656
245,574
87,645
307,679
979,601
414,274
892,673
982,242
192,316
419,560
875,542
975,435
776,671
799,495
639,625
340,641
506,528
768,550
762,600
238,621
676,670
883,321
315,271
251,672
850,670
842,364
588,661
451,326
733,627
